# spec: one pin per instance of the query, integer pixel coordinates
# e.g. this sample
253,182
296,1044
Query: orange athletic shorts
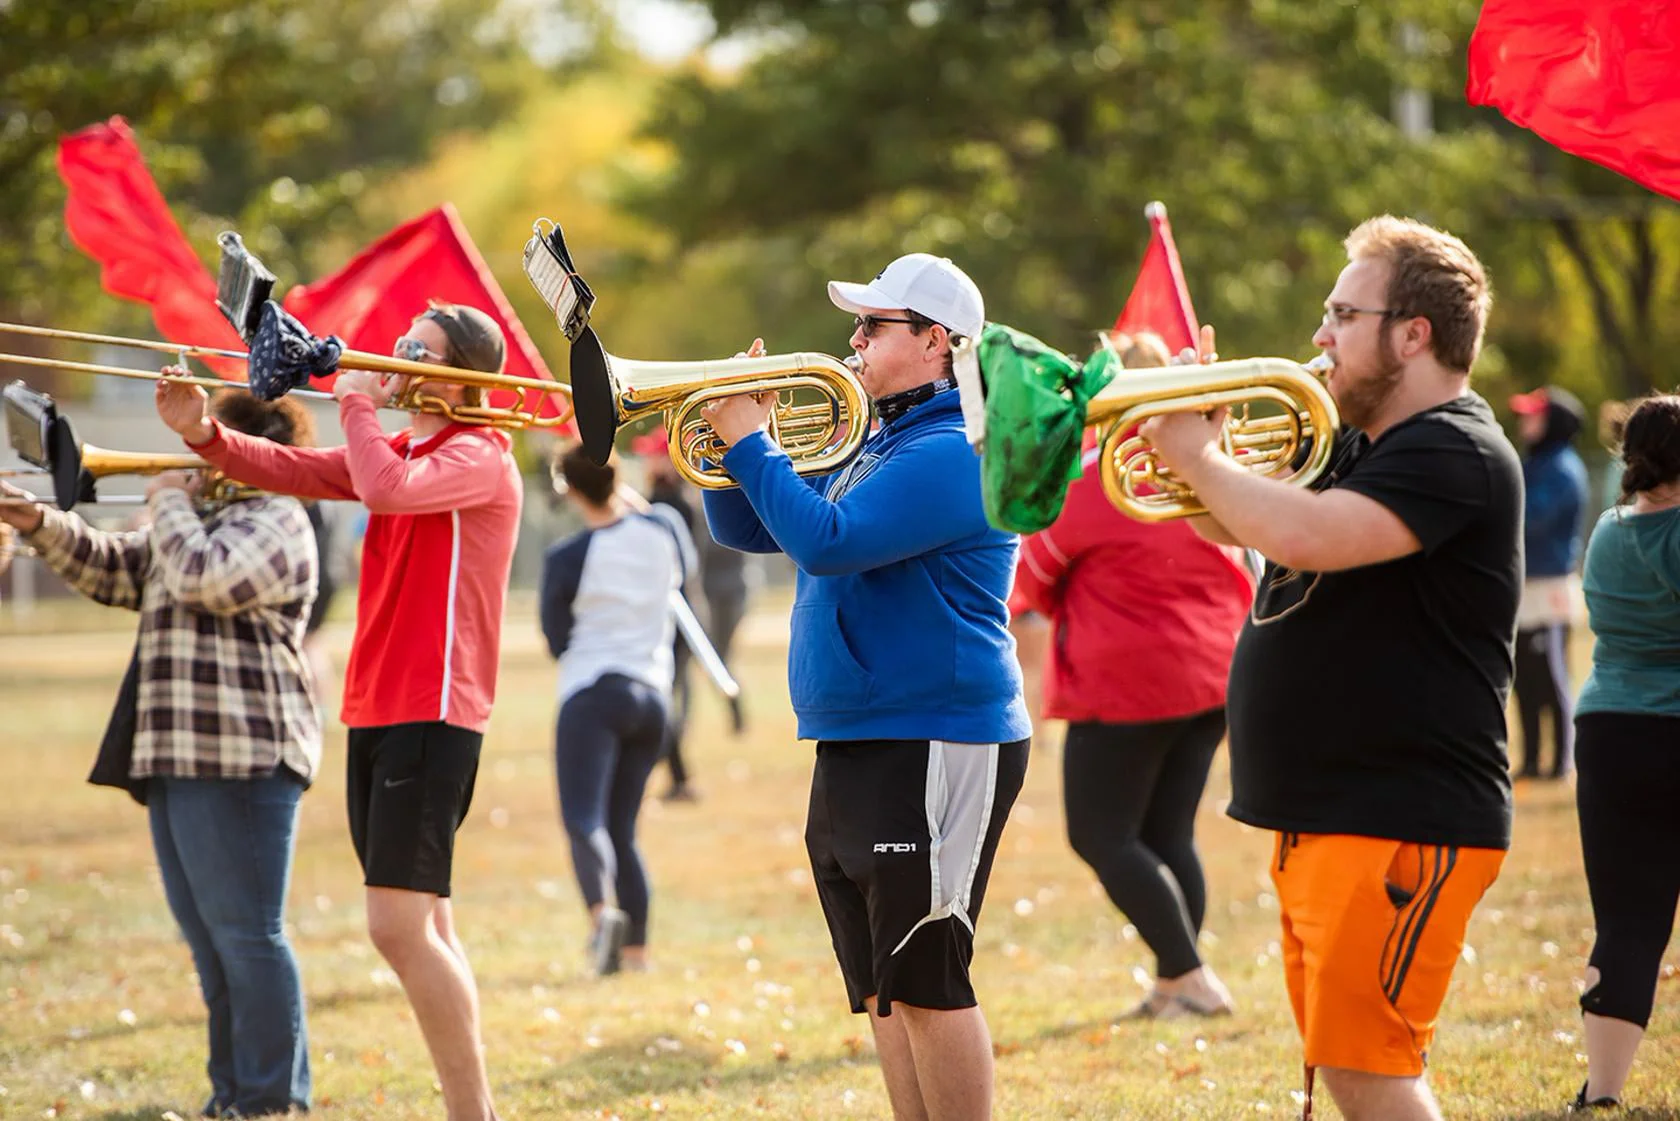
1371,932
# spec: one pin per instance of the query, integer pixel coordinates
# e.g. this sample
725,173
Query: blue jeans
224,849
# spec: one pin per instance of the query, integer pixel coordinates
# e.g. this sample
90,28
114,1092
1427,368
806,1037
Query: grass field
744,1013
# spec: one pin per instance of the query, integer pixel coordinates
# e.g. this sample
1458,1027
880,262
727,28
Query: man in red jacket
444,501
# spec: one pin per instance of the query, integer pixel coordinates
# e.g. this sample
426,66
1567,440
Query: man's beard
1359,400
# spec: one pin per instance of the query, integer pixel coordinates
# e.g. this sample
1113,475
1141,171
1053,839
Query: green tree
1023,138
271,115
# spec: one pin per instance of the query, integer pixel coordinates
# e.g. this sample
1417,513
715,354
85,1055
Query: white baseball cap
925,284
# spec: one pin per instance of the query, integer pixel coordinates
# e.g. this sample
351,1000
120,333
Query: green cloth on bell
1035,423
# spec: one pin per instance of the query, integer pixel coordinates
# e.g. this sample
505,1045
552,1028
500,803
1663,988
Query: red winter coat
1144,616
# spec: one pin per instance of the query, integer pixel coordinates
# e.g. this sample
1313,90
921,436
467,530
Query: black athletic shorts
409,787
901,835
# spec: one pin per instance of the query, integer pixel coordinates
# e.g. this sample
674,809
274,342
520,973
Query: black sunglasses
868,323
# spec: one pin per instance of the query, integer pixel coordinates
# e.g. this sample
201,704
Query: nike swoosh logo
399,782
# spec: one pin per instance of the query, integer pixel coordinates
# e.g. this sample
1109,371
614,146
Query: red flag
1598,78
117,216
1160,301
371,301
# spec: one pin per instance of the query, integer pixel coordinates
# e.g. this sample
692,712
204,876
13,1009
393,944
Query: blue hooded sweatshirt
1555,482
900,629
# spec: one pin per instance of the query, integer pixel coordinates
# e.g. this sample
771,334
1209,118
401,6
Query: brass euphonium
820,420
1295,433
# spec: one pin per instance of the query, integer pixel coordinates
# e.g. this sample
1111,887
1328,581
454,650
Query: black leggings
1626,795
1541,685
1131,792
606,743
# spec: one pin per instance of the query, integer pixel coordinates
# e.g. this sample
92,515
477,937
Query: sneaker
680,792
1581,1104
607,940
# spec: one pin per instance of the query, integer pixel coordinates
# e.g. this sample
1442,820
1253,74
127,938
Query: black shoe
1581,1104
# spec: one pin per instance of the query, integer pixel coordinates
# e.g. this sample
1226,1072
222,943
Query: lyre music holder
548,266
46,440
243,285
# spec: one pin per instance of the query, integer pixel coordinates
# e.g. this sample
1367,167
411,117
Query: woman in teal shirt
1628,746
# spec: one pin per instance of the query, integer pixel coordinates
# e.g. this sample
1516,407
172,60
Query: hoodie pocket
823,674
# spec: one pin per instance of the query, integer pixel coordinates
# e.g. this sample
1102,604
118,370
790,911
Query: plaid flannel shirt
225,692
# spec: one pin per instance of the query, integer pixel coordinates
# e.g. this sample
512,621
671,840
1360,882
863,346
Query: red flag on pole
371,300
1599,79
116,215
1160,300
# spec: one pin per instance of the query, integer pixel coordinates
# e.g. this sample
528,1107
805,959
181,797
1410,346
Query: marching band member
1554,503
1367,693
605,603
1119,592
1628,724
902,669
218,722
444,501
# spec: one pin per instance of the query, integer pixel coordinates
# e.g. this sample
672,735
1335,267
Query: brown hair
475,343
1434,275
1651,445
594,482
1142,350
1612,420
919,323
284,421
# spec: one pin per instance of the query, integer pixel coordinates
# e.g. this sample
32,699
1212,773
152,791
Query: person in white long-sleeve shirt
605,608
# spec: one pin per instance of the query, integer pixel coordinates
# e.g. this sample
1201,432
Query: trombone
526,415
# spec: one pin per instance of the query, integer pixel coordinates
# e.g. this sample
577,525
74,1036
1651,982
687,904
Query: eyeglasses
1339,315
413,350
868,323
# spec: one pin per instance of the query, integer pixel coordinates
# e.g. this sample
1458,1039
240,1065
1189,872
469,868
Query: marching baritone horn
821,416
1292,436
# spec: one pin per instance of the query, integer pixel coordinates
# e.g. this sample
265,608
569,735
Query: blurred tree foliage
1021,137
1024,137
272,115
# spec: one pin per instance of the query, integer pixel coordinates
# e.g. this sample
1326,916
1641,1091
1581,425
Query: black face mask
895,405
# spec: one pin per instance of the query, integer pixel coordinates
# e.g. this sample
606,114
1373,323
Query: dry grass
744,1015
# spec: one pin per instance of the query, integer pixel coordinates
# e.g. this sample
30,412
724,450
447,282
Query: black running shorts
901,835
409,787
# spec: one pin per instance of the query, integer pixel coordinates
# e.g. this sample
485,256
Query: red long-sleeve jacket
1145,616
443,517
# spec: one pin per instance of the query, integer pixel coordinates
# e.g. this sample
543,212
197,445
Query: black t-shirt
1372,701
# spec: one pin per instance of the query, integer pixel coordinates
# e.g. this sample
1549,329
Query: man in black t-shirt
1367,693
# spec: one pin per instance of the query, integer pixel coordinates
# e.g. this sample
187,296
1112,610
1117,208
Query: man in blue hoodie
1555,480
902,668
